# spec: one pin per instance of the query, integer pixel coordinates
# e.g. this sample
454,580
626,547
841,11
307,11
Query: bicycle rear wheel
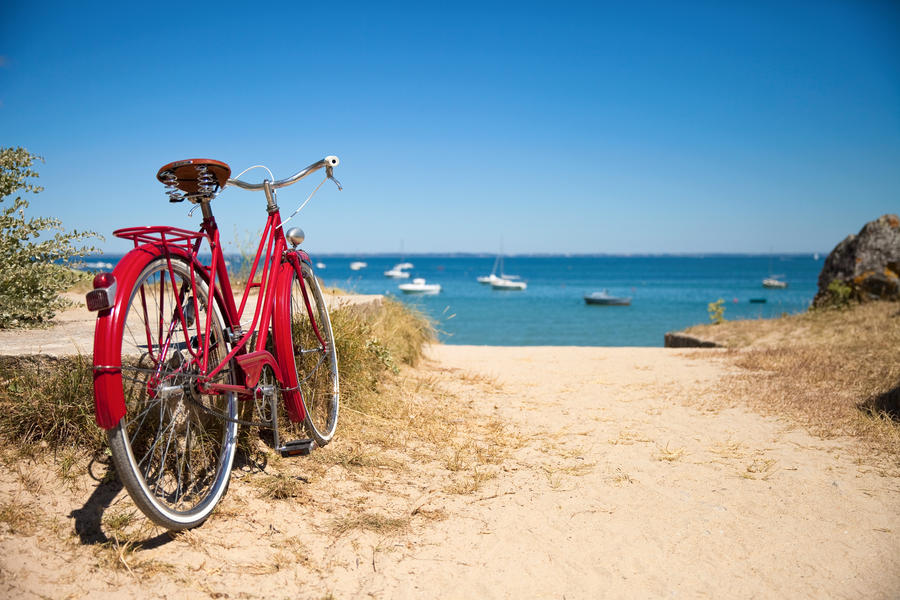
175,446
311,367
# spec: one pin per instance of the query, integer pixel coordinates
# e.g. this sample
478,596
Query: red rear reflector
102,280
104,294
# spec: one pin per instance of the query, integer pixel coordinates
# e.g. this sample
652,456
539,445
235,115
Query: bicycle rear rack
155,234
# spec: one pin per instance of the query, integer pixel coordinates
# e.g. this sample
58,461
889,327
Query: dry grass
669,454
281,487
18,517
834,371
48,402
367,521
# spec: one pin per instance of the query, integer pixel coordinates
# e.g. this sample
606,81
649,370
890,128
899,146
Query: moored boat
603,298
494,277
504,284
418,286
398,272
488,278
357,265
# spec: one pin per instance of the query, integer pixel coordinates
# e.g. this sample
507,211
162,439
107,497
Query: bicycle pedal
297,448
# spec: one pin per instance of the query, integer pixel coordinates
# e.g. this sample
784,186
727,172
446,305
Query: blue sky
615,127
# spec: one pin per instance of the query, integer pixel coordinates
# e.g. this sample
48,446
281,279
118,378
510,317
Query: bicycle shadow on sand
89,518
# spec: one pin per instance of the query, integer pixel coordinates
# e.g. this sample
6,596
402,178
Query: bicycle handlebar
329,162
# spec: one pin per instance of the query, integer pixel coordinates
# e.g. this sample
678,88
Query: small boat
418,286
320,265
357,265
493,276
774,282
506,284
757,300
603,298
397,272
488,278
498,268
404,265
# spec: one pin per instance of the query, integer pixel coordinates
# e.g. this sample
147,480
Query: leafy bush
31,271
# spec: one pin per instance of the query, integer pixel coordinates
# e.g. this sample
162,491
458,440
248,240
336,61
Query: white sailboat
400,270
493,276
498,268
773,282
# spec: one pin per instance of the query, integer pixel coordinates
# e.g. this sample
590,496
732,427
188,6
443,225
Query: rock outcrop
863,267
678,339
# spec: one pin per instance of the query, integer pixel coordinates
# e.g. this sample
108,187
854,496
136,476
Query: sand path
630,481
627,489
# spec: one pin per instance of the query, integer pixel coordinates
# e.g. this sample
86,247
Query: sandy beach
629,477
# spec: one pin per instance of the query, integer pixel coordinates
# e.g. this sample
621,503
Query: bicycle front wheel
311,367
175,446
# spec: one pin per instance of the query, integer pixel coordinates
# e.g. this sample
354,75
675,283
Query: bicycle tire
172,455
311,367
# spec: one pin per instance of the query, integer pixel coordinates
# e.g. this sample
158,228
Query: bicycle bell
295,236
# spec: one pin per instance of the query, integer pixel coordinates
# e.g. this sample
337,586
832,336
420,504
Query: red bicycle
178,367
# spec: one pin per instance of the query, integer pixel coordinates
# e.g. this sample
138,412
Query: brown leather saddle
194,179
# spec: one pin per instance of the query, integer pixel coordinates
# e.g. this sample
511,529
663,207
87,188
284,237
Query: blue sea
668,293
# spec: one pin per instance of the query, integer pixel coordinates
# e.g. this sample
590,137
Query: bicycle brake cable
308,198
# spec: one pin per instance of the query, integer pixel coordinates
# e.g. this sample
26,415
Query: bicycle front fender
109,401
284,345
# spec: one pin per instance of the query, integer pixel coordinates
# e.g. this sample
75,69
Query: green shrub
839,294
716,311
31,271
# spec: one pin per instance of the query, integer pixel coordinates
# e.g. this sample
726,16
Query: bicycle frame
278,265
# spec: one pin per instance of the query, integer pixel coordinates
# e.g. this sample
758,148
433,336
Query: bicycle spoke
165,454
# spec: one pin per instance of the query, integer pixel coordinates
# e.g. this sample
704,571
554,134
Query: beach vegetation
839,295
33,250
833,371
716,311
45,401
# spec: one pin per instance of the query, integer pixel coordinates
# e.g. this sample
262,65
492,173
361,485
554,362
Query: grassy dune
834,371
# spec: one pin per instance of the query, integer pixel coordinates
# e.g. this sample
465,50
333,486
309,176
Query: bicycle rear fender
109,402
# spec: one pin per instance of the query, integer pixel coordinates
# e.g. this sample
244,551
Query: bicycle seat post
206,210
